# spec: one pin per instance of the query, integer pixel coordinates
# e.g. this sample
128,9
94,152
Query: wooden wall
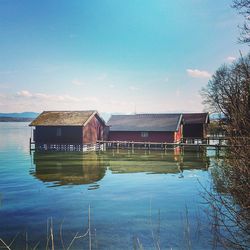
93,131
49,134
178,134
136,136
193,131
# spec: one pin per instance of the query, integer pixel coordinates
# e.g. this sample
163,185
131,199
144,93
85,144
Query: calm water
143,197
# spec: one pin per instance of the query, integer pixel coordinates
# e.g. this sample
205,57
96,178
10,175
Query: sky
113,56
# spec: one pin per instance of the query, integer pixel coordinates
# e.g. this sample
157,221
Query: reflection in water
74,168
139,194
156,162
69,168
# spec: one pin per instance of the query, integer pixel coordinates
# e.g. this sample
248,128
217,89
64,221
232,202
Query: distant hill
18,117
15,119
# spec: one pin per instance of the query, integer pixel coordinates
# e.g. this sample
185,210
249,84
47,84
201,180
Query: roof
145,122
64,118
192,118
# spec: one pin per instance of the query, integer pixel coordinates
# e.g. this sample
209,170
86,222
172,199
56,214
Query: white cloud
77,82
166,79
24,93
4,86
133,88
111,86
91,99
231,58
198,73
102,77
42,96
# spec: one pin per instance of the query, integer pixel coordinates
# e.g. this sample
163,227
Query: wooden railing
65,146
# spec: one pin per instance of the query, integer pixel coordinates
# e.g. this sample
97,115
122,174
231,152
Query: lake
138,200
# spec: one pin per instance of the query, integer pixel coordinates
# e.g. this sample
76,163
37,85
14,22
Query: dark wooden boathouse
195,125
145,128
68,127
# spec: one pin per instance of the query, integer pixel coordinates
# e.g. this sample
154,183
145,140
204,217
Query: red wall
93,131
136,136
178,134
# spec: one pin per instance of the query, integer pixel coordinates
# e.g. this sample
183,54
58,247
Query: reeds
50,237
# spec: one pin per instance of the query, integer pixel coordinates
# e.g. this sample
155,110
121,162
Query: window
144,134
58,132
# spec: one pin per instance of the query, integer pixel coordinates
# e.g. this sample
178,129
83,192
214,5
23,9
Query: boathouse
145,128
195,125
68,127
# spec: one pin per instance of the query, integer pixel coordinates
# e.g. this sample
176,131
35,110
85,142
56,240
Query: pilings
197,144
66,147
160,146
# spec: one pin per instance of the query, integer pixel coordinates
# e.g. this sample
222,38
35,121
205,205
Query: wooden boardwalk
215,143
65,147
211,143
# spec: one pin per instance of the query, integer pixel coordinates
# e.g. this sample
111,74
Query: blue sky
113,55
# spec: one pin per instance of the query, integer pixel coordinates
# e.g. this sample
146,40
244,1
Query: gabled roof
65,118
145,122
198,118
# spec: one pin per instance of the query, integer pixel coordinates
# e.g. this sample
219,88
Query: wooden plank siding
93,131
195,125
178,134
50,134
193,131
156,128
68,127
152,136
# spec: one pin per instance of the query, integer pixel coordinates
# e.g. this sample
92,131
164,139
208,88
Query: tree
243,6
228,92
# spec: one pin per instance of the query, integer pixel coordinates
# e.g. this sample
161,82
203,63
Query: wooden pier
214,143
211,143
65,147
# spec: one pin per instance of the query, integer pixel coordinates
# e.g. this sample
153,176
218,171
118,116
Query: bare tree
243,6
228,92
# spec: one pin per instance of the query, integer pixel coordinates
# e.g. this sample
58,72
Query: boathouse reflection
156,162
69,168
74,168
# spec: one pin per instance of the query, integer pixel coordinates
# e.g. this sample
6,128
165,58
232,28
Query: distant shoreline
15,119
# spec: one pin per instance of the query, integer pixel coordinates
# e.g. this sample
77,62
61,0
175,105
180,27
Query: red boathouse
195,125
145,128
68,127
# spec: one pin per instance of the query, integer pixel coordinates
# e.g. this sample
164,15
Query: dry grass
50,242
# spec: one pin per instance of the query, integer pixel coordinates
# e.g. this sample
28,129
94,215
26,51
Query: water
135,198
